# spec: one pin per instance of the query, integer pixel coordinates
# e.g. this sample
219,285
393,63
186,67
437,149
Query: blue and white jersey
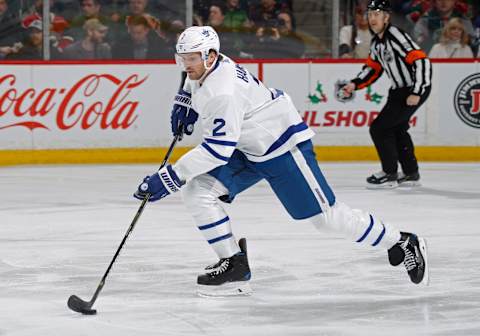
238,111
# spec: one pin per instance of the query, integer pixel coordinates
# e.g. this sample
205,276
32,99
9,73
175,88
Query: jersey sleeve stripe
215,154
286,135
209,226
221,142
414,55
374,74
374,64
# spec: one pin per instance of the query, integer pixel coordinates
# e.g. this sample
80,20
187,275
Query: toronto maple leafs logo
206,33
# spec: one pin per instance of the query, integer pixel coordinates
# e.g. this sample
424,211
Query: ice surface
60,226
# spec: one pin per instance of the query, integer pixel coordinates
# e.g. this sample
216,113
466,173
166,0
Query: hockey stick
85,307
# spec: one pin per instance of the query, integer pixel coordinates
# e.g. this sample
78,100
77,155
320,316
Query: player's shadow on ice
439,192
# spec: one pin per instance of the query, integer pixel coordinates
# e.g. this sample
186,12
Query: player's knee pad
201,194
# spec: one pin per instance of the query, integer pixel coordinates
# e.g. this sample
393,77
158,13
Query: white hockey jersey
238,111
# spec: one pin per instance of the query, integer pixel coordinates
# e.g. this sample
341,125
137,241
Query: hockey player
394,52
250,133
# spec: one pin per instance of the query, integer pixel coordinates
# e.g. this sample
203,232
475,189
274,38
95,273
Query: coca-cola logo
83,105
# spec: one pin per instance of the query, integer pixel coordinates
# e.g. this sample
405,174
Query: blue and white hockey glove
159,185
183,116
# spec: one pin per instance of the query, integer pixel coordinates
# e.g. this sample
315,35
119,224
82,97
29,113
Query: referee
410,72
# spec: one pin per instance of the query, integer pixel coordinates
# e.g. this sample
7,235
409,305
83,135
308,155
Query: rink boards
103,112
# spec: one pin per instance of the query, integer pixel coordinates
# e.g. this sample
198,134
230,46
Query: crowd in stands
145,29
148,29
443,28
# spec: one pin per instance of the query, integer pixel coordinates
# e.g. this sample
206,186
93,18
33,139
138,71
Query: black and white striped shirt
401,58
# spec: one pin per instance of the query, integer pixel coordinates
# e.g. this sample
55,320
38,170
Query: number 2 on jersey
219,123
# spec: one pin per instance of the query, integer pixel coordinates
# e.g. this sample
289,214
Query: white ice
60,226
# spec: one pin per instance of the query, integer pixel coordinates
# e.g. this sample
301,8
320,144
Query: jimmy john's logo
467,100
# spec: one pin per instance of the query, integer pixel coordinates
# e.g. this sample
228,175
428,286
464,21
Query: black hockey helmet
383,5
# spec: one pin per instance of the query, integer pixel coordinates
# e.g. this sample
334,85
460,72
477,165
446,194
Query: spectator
32,44
231,42
6,50
166,31
175,29
355,39
10,29
58,24
236,18
115,9
66,8
278,41
139,8
453,43
290,45
265,14
142,42
92,46
90,9
428,29
201,9
476,24
415,9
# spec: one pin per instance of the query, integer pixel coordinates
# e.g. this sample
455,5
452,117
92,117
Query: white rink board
334,122
128,105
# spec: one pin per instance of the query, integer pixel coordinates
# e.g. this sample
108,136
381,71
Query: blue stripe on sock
214,240
380,237
215,154
221,142
208,226
362,238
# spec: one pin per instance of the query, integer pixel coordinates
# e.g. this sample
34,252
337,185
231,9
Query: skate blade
423,249
238,288
386,185
410,184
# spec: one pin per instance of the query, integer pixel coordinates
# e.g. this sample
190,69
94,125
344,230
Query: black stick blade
80,306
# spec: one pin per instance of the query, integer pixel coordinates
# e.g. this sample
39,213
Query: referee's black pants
389,132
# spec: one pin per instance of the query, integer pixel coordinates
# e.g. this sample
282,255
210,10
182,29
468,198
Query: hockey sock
357,225
201,198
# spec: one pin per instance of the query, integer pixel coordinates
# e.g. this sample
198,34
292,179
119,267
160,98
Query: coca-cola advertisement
82,106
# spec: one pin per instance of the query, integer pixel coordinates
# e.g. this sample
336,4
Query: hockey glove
183,116
159,185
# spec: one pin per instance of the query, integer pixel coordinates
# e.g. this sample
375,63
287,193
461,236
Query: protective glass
186,60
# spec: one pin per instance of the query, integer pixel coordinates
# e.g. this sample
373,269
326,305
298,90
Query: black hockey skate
409,180
382,180
412,251
228,277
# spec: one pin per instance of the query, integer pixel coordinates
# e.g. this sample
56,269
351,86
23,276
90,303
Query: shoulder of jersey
394,30
222,79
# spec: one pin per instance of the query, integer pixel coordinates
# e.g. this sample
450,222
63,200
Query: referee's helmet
383,5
